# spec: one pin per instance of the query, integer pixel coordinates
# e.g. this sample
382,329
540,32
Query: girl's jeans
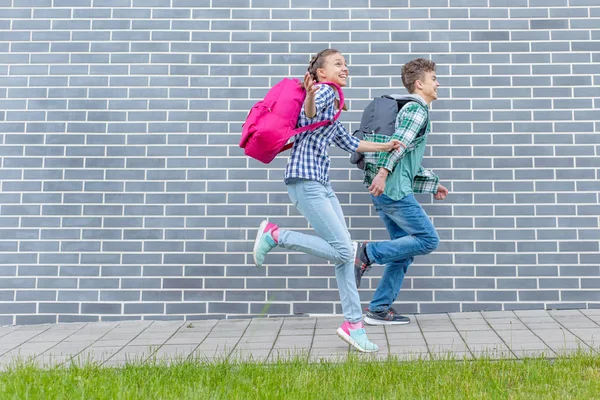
320,206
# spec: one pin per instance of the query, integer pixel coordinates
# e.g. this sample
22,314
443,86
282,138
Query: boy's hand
378,185
441,193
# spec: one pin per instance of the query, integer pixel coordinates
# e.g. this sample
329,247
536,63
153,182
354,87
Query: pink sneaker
264,242
356,337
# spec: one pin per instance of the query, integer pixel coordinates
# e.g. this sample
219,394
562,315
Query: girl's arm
366,147
310,109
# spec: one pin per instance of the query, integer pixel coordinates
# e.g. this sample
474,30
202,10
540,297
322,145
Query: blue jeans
320,206
411,233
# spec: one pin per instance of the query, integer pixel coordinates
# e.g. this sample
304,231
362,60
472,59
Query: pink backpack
272,122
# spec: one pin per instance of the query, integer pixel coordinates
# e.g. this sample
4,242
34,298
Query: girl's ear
321,74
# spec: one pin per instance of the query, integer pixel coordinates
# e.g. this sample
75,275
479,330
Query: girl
307,180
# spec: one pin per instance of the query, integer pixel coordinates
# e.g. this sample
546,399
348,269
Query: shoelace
364,269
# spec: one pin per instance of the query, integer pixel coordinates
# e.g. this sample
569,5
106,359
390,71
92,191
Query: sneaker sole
344,336
370,321
355,248
261,229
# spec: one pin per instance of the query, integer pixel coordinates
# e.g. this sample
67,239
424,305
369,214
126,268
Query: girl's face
334,70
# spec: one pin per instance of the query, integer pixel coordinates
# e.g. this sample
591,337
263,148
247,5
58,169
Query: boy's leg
411,233
420,239
393,275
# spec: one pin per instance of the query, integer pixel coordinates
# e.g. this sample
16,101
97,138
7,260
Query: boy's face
429,86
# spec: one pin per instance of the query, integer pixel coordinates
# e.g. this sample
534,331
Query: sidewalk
498,334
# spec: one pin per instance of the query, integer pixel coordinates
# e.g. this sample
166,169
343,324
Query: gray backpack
380,117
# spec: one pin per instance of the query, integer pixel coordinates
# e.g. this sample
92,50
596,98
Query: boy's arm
425,181
409,123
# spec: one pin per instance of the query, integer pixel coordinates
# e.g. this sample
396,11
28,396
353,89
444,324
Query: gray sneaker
389,317
362,264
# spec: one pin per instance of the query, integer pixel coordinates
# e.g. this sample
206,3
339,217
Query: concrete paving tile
404,335
465,316
184,350
299,322
408,349
565,313
229,342
474,327
299,332
294,339
563,346
446,327
446,347
494,354
258,338
226,334
215,355
147,342
432,317
537,320
591,311
410,342
410,328
587,333
249,355
445,335
329,322
176,340
528,346
481,347
507,325
531,313
329,344
411,356
288,354
534,353
548,326
319,358
109,343
572,324
497,314
452,355
250,346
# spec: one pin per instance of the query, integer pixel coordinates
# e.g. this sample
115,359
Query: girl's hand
309,86
392,145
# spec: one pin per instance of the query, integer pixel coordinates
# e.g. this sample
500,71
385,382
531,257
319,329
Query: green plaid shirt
409,122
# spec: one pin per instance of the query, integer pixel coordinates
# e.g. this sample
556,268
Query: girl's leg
311,198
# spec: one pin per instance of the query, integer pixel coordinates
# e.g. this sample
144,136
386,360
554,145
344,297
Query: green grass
573,377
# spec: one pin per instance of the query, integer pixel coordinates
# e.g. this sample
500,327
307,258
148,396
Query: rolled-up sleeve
426,181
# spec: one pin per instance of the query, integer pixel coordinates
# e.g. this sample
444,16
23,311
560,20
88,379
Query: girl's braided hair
318,61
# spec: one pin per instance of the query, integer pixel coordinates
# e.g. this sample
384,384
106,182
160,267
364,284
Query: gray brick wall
124,194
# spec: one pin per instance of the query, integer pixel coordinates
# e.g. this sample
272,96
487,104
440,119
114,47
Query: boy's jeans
320,206
411,233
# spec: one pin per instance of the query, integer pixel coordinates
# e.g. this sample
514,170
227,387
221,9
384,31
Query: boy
392,178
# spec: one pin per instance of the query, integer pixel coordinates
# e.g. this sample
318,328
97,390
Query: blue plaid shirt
309,158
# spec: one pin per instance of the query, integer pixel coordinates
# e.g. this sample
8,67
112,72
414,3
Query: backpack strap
317,125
